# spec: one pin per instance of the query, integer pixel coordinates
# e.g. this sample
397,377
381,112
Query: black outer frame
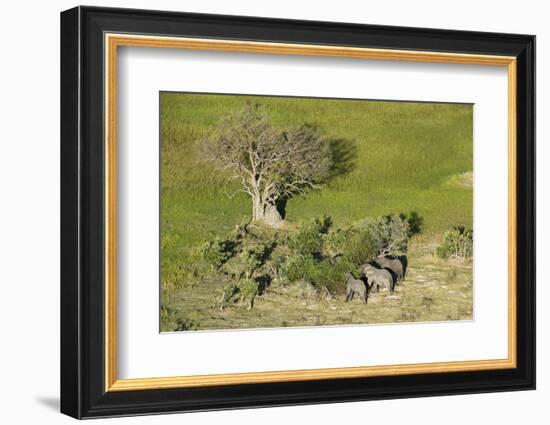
82,217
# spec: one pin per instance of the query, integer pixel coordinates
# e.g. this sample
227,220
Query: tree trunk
266,212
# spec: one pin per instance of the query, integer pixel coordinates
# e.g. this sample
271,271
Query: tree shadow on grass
344,157
344,160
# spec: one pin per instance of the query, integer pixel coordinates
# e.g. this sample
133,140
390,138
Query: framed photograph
261,212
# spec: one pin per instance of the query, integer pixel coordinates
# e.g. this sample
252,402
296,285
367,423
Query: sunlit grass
406,155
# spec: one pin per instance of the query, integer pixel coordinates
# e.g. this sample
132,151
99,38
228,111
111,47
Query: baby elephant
355,286
378,277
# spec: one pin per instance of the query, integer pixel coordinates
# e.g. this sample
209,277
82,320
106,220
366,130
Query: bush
227,293
248,289
309,238
368,238
394,235
252,258
358,244
297,267
414,221
457,243
327,273
336,241
331,274
216,252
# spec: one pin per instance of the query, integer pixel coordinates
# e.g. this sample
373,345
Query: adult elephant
378,278
395,264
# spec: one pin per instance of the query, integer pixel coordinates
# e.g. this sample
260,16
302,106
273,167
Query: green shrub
308,240
414,221
227,293
244,290
457,243
252,258
297,267
361,242
216,252
335,241
331,274
327,273
325,223
394,235
367,238
248,289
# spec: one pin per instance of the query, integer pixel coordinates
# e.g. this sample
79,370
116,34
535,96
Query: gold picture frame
114,41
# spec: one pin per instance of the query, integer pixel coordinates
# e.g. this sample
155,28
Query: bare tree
271,165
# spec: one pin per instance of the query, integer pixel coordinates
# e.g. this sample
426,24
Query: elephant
379,277
395,264
355,286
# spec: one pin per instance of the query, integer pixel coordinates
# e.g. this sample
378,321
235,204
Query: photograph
280,212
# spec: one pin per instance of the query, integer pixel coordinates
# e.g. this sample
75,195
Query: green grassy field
409,157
